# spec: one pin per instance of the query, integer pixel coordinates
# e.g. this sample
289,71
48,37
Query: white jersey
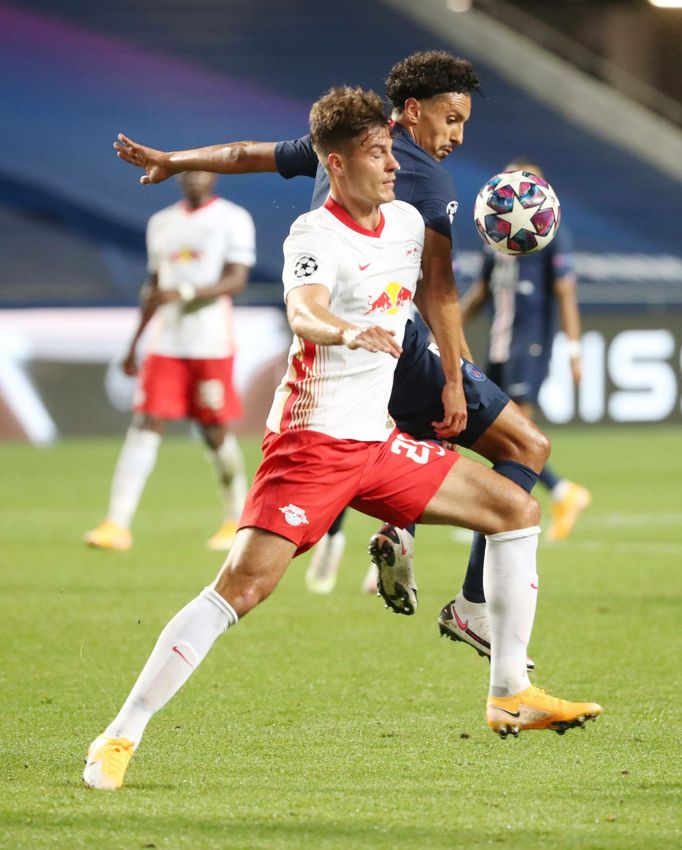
372,277
192,246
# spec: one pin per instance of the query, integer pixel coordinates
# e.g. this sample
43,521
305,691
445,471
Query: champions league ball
517,212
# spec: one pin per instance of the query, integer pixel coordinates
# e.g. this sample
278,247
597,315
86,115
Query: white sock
558,492
135,463
510,584
229,464
181,647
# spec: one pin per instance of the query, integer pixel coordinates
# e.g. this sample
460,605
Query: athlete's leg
229,466
320,577
254,566
134,466
518,450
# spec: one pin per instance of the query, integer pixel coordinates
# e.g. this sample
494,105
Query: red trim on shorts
338,212
302,367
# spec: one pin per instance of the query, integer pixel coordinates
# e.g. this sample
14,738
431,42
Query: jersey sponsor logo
394,296
474,372
185,255
305,266
451,210
294,515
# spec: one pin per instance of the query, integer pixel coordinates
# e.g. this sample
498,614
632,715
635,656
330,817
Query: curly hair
343,114
428,73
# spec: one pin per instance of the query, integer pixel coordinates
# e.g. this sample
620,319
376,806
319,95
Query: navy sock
412,529
549,478
525,477
338,522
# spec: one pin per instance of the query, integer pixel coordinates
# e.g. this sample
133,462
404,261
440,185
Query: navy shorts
521,376
418,384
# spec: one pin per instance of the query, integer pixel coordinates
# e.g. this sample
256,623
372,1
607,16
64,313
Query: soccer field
329,722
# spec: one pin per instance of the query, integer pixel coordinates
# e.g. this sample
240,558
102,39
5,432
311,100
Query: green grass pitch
329,723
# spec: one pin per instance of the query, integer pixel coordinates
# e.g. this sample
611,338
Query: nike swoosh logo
510,713
535,586
176,650
463,626
366,266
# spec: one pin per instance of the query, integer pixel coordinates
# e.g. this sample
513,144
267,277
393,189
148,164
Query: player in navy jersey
431,97
526,293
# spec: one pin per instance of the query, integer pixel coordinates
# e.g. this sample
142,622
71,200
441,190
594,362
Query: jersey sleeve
433,194
309,258
296,158
241,243
152,245
563,263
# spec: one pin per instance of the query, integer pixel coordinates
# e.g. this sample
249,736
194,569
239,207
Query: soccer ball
517,212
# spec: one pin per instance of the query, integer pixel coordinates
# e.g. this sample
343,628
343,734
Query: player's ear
412,110
335,164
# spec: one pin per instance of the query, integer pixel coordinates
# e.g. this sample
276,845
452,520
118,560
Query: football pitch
329,723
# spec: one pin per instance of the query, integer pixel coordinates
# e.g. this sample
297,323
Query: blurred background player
525,292
200,251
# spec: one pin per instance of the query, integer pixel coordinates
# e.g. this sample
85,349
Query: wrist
575,348
188,292
348,335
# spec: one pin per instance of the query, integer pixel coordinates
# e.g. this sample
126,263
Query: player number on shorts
417,450
211,394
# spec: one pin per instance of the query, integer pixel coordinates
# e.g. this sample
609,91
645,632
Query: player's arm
437,301
147,310
232,281
569,315
310,318
231,158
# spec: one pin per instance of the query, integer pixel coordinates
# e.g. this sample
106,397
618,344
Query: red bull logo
185,255
391,299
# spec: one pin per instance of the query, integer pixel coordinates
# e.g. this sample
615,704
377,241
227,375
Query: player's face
197,186
440,123
370,168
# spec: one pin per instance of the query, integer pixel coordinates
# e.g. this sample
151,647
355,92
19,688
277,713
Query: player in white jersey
330,443
199,251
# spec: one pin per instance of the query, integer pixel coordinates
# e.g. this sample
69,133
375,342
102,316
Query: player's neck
363,212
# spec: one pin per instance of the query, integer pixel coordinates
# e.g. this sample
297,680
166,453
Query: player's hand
454,419
155,163
373,338
129,365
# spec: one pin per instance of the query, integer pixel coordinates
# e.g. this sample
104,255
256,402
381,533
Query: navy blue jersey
522,289
421,181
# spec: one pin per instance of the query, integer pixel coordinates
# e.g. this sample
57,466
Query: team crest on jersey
394,296
413,252
474,372
294,515
451,210
305,266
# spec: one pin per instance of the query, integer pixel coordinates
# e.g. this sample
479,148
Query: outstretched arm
231,158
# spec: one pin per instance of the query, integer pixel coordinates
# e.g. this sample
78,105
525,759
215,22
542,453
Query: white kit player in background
200,251
350,272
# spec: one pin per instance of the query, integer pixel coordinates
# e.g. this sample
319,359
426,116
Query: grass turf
328,722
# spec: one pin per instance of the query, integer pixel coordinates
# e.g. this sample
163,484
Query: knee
524,511
241,588
539,448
